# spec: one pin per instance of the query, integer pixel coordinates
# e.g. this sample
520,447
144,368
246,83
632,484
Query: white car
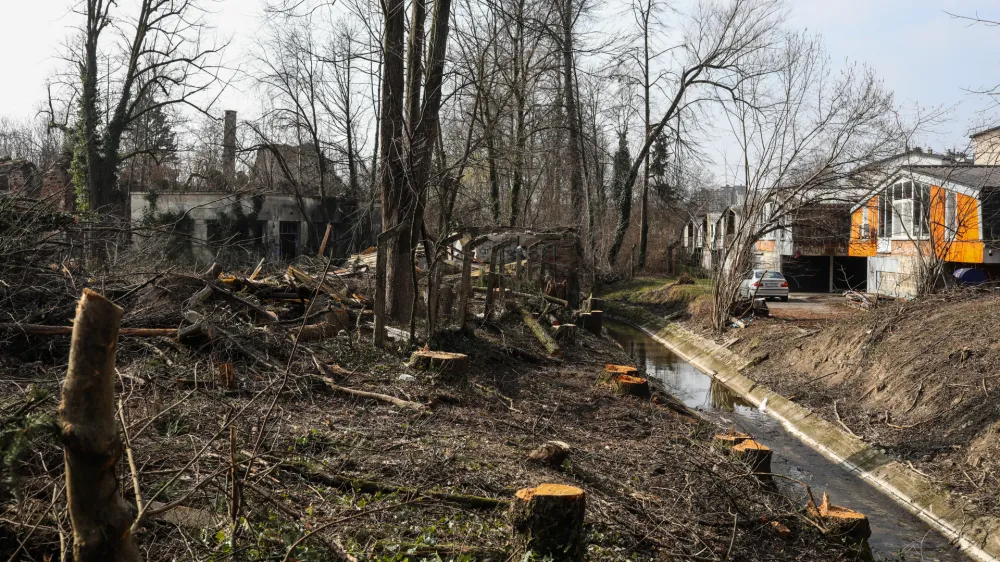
764,283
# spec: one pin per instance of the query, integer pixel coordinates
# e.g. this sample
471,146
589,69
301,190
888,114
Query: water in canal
895,531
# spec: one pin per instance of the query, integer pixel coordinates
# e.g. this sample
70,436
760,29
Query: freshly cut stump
547,521
592,321
452,366
841,521
755,455
728,440
620,369
565,333
631,386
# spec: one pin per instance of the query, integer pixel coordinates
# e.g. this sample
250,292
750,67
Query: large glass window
951,214
903,209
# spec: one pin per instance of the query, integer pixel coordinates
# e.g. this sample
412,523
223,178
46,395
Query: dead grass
384,483
918,380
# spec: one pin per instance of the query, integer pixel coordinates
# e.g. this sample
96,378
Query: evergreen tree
622,163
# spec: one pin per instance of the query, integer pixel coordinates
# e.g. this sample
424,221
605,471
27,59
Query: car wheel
784,299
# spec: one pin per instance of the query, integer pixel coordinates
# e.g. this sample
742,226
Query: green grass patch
660,295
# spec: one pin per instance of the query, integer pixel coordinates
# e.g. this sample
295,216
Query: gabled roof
961,178
973,177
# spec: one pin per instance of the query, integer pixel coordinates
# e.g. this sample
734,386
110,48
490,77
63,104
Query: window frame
901,217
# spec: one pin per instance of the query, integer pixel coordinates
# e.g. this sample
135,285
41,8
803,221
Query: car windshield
773,275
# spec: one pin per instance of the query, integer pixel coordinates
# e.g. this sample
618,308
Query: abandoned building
281,208
19,177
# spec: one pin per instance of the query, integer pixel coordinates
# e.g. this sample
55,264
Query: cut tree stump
841,521
592,321
755,455
631,386
454,366
620,369
89,432
726,441
552,453
594,304
547,522
565,333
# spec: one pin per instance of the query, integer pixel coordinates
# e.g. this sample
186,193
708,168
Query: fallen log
41,330
309,281
342,483
398,402
551,347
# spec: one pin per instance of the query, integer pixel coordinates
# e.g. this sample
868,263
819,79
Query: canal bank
912,491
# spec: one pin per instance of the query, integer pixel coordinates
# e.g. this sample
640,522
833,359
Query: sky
927,57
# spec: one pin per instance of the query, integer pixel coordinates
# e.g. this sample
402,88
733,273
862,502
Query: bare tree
803,133
406,161
717,53
159,47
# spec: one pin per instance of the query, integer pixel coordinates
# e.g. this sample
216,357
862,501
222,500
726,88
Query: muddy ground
323,476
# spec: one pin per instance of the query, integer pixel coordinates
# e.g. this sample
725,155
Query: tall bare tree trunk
89,432
398,201
572,122
644,208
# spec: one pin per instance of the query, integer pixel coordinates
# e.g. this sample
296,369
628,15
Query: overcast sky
923,54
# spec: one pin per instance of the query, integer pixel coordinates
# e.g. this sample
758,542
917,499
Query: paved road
802,306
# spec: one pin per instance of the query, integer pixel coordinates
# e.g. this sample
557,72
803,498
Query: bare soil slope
920,380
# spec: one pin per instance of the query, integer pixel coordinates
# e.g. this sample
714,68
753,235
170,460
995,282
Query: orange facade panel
863,241
962,242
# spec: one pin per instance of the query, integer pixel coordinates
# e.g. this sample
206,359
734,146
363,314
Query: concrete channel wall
977,537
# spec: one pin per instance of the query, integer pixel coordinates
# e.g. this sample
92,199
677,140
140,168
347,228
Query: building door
288,239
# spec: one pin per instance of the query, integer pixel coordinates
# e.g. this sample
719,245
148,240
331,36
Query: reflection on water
894,530
725,399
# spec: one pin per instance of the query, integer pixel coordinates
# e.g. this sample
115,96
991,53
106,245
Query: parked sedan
763,283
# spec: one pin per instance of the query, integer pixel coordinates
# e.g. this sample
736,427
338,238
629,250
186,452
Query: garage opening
807,274
850,273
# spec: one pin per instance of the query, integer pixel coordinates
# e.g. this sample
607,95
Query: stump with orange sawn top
452,366
841,521
755,455
547,521
728,440
631,385
620,369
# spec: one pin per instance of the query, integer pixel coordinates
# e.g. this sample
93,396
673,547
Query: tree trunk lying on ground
370,487
551,347
89,433
40,330
406,404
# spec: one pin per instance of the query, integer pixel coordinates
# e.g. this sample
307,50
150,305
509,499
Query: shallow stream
895,531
